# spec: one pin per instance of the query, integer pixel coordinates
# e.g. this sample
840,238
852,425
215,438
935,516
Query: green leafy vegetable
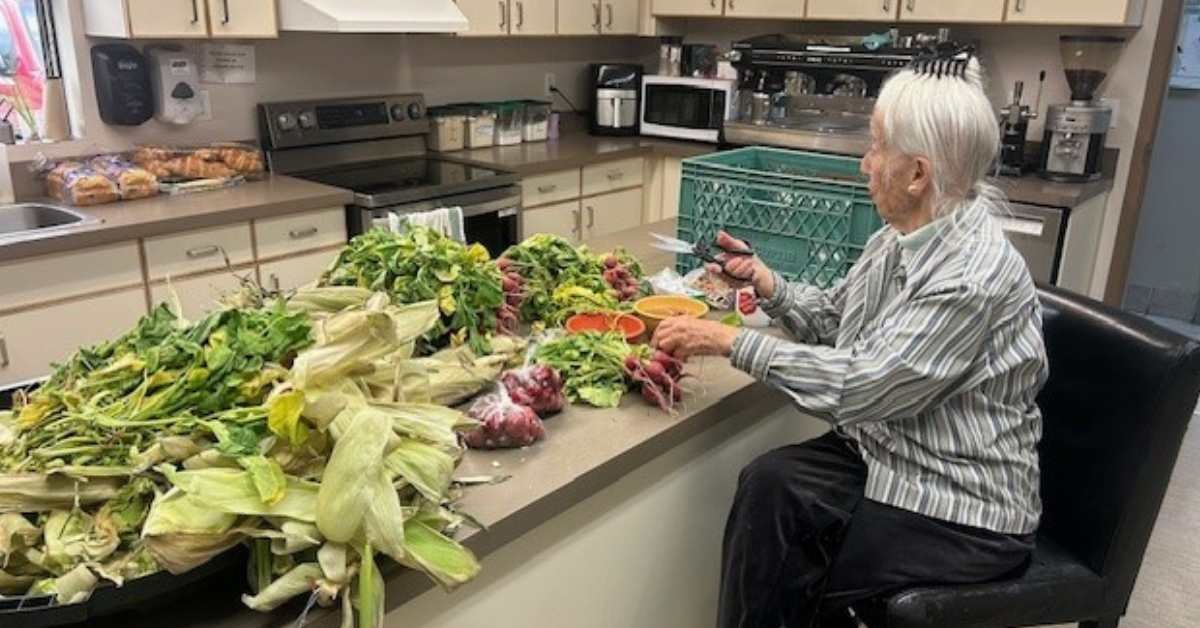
593,366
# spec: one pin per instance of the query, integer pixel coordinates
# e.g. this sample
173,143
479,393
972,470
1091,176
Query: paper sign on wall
1187,52
227,63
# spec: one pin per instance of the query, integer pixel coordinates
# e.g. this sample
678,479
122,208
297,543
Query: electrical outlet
551,83
1115,105
206,113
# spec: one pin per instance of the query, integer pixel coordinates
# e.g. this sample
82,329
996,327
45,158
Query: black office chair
1116,407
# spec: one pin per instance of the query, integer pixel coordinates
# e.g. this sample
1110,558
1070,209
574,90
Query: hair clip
944,60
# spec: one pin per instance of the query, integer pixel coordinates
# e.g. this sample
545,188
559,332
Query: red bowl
631,326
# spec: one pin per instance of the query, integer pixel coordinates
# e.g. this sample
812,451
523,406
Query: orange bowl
656,309
631,326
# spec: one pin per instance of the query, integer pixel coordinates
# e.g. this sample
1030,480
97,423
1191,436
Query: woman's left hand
684,337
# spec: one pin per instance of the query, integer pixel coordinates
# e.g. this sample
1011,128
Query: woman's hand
743,270
684,337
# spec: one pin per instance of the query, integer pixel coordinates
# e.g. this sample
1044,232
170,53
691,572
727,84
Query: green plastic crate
808,215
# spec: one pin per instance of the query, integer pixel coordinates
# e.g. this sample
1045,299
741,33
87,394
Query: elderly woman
926,360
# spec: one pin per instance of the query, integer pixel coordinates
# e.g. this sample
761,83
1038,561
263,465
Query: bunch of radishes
660,378
537,386
503,423
508,319
621,279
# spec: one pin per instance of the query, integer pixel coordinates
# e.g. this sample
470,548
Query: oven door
490,217
685,111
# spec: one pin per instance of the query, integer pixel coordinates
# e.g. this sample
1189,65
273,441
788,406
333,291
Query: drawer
550,188
613,175
562,219
32,340
51,277
293,272
198,251
300,232
198,295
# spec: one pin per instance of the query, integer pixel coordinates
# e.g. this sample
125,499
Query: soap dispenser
176,84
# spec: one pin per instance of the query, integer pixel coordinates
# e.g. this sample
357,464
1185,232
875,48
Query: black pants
802,544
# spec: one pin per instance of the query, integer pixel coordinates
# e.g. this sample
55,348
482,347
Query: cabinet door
300,233
292,272
612,213
176,19
533,17
198,295
562,220
254,19
1098,12
621,17
485,17
870,10
613,175
765,8
952,10
688,7
581,18
30,341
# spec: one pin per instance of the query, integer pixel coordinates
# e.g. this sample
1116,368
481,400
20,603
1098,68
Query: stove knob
415,111
307,119
398,113
286,121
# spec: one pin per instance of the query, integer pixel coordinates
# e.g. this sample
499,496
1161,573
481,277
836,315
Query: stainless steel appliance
1073,142
686,108
815,92
1038,234
375,147
616,94
1014,129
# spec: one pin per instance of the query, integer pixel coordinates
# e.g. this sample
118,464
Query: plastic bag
96,180
537,386
214,161
504,424
667,281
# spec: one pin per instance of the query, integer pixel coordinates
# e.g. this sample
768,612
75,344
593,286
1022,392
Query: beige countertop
585,450
273,196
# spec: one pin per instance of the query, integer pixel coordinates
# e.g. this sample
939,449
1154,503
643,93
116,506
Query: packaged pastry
78,183
132,181
214,161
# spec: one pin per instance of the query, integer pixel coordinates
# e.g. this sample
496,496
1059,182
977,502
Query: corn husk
427,468
299,580
440,557
180,513
318,301
32,492
234,492
180,553
348,486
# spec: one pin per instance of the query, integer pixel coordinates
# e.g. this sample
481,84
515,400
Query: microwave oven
686,108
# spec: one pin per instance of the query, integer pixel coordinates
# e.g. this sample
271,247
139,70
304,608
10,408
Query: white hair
949,121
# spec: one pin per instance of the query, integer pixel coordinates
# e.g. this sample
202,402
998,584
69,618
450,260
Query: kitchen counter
128,220
1035,190
586,450
575,150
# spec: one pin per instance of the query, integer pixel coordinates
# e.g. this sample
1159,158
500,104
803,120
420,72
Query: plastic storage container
537,121
808,215
481,127
447,129
510,122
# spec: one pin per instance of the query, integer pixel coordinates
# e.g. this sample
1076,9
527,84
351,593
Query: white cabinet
667,8
552,187
199,295
862,10
198,251
180,19
489,18
767,9
32,340
582,18
298,233
620,17
293,272
1090,12
612,213
952,10
533,17
39,280
613,175
246,19
485,17
562,219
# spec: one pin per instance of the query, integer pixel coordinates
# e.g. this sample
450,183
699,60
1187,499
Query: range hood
371,16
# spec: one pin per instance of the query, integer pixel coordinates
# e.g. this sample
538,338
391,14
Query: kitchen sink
31,220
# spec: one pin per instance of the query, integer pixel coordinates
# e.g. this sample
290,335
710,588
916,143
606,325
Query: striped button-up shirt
931,361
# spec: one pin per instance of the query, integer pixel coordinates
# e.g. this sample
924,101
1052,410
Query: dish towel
447,221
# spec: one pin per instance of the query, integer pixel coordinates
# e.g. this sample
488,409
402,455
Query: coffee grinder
1014,127
1073,143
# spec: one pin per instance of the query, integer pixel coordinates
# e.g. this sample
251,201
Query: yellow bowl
656,309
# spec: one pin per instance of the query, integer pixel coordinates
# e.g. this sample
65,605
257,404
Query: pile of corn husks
306,428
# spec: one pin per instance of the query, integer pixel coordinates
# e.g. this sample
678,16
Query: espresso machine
1073,143
615,98
816,92
1014,128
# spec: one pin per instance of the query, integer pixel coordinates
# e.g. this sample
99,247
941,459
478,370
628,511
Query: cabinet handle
1020,6
596,24
591,217
546,189
887,6
225,4
4,352
201,252
713,3
503,14
616,175
730,4
195,12
610,16
300,234
578,230
912,5
520,15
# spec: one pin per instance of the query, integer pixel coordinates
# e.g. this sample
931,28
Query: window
28,56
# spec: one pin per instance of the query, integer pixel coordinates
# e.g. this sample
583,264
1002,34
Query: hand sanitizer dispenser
176,82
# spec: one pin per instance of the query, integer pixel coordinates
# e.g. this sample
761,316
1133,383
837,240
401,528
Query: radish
510,285
611,262
504,264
